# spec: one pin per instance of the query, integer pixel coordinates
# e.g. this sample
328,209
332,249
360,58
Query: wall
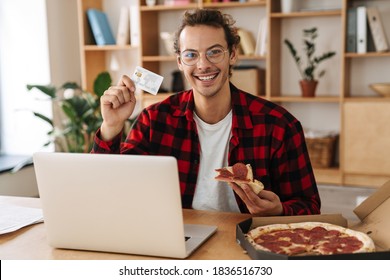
40,49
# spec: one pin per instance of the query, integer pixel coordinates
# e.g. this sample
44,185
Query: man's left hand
265,203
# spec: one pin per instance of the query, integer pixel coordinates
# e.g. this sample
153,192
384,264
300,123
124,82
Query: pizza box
374,220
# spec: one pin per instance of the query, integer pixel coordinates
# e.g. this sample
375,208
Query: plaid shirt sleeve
272,141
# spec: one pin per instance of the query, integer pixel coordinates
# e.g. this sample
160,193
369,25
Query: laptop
115,203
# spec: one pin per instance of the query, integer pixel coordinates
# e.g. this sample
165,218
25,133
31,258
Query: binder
123,34
100,27
261,41
351,30
361,26
377,31
135,37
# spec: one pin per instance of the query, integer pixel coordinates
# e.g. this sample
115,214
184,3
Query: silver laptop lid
114,203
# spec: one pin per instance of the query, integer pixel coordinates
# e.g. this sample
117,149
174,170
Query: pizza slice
240,174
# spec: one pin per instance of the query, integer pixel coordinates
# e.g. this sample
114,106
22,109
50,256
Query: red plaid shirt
263,134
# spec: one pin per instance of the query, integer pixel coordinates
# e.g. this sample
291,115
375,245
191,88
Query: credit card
147,80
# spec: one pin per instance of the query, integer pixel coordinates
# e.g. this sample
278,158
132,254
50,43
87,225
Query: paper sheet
14,217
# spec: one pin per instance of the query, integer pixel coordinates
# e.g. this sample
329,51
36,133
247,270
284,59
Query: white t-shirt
211,194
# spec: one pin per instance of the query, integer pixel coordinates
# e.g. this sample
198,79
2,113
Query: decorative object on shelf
321,146
309,79
247,41
288,6
177,81
176,2
381,88
150,3
81,114
249,78
168,38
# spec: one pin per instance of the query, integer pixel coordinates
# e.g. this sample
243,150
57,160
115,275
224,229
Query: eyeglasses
214,55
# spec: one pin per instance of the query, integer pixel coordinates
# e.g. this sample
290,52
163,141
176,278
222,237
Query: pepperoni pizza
240,174
309,238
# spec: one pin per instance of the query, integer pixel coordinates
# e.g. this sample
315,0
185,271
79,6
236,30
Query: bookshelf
96,59
343,102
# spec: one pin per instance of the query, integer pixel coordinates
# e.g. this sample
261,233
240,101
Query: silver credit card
147,80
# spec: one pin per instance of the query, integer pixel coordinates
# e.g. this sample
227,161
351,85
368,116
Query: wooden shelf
235,4
158,8
324,13
319,99
367,99
369,54
108,47
152,58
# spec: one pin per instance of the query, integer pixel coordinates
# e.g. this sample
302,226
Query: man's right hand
117,104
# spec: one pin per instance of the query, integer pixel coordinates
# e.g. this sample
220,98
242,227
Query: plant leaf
70,85
42,117
48,90
102,82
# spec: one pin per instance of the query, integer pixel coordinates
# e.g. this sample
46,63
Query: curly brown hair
213,18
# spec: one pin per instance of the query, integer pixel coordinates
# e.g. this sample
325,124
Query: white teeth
206,78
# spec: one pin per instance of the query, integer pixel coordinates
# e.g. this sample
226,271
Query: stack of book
365,31
128,27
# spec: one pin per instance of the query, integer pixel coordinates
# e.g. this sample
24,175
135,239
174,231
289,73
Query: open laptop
115,203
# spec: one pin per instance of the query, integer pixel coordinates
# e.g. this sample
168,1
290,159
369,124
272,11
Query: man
213,125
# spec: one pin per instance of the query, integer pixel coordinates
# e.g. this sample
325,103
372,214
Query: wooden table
30,242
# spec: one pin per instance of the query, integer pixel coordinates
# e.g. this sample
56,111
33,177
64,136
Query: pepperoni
276,245
284,233
266,237
298,250
318,230
240,170
348,244
298,239
333,233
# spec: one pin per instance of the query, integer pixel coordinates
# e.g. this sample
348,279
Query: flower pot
308,87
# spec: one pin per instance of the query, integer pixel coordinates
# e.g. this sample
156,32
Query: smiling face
206,78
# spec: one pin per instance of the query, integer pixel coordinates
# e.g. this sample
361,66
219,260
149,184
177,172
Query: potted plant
80,114
308,71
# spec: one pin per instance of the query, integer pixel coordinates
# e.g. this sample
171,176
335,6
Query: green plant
81,115
308,71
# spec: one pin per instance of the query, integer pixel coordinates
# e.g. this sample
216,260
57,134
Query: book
263,37
351,30
123,34
370,41
135,38
247,42
361,29
376,28
100,27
